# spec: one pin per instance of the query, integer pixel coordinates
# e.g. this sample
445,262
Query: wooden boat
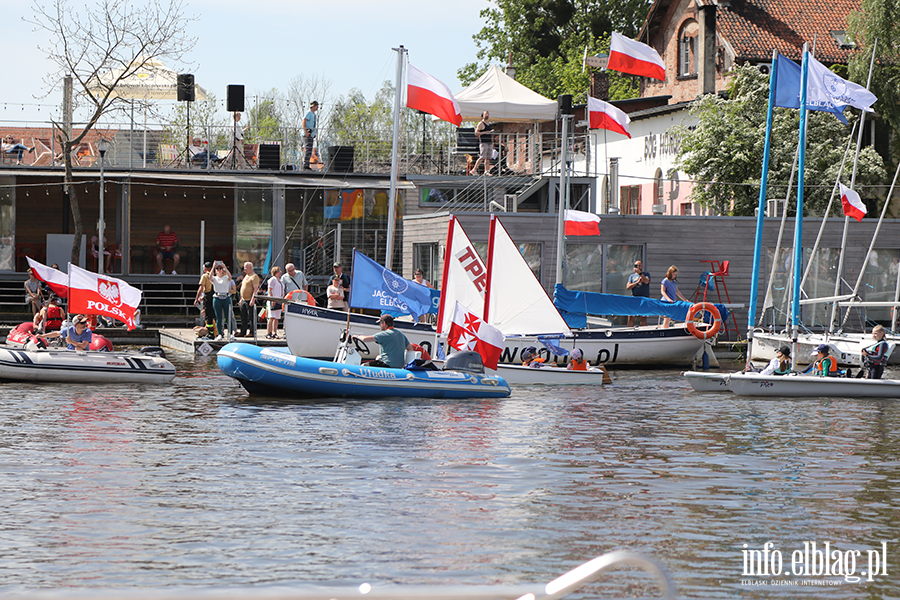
808,386
277,372
70,366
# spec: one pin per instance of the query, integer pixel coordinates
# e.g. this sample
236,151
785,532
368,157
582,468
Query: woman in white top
276,289
336,294
223,288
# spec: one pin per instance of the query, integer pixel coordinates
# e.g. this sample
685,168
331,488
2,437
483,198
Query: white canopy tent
507,100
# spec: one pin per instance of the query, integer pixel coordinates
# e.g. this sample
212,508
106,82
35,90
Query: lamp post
102,145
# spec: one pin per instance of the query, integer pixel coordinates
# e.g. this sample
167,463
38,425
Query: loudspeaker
340,159
235,98
185,87
564,104
270,156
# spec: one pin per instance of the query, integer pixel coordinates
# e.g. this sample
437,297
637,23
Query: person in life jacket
875,356
576,361
825,365
51,316
531,358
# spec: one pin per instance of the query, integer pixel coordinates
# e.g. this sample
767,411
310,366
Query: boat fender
100,344
692,325
153,351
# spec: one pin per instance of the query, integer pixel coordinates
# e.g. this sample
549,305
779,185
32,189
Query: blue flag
382,289
825,91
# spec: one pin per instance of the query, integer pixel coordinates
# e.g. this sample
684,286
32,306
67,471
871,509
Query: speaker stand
234,153
423,158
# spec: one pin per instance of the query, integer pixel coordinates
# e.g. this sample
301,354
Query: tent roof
505,98
153,81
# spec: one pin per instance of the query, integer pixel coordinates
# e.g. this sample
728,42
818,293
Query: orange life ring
692,325
309,297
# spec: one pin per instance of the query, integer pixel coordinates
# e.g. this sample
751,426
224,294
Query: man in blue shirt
392,342
78,336
639,284
310,122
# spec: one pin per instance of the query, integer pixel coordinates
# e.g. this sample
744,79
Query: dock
185,340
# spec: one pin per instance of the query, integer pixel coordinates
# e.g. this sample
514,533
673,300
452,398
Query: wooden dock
185,340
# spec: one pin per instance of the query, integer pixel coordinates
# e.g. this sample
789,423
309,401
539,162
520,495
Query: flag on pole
629,56
581,223
382,289
93,294
430,95
468,332
825,91
56,279
853,205
603,115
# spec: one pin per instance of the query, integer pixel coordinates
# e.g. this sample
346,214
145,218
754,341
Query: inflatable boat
276,372
71,366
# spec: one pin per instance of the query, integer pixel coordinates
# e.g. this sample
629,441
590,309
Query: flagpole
798,219
395,160
490,268
352,264
563,202
761,209
448,252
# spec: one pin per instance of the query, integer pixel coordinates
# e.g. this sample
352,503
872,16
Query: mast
490,269
395,160
798,227
448,254
563,203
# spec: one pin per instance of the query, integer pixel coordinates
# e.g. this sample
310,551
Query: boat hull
69,366
807,386
522,375
275,372
314,332
703,381
847,347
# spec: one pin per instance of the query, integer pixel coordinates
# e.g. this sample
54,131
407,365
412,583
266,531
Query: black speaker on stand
563,105
185,93
269,157
235,98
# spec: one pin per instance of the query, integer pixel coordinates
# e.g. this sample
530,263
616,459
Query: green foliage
205,124
547,40
726,147
265,119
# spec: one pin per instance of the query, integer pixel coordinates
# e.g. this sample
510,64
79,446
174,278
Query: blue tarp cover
575,306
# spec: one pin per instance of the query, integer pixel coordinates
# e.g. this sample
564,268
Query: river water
198,485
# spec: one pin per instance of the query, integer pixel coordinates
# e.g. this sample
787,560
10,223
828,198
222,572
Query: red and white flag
56,279
93,294
853,205
603,115
430,95
468,332
582,223
635,58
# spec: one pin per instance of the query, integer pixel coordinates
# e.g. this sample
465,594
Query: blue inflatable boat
276,372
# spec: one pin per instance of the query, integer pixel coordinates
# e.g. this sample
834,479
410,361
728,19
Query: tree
722,154
879,20
301,91
90,41
547,40
205,123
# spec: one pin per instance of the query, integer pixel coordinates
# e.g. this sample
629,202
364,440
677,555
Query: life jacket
579,365
536,361
53,320
832,368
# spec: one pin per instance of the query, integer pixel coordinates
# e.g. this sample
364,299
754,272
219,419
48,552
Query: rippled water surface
198,485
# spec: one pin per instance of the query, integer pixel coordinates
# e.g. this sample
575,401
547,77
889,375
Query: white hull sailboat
810,386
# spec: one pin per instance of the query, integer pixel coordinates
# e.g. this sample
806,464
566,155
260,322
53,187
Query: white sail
465,276
516,302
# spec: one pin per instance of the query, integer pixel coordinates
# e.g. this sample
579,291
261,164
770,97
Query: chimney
600,85
510,69
706,56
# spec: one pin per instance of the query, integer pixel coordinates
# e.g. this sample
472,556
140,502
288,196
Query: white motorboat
71,366
809,386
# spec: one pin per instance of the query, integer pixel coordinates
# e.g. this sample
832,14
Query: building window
630,199
687,49
685,208
425,257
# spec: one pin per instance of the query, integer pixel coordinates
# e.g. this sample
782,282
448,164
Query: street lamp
102,145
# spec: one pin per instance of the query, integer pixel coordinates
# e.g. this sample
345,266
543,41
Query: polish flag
603,115
581,223
853,205
95,294
430,95
636,58
56,279
468,332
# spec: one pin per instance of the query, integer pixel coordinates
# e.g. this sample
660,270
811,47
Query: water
198,485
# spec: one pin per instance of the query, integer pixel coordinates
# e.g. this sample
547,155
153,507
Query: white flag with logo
93,294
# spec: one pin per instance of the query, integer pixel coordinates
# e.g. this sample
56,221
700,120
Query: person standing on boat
78,336
483,131
825,365
639,284
205,293
669,291
335,294
250,283
875,356
223,288
51,316
393,345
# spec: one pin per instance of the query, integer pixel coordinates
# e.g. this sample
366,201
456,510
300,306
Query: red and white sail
465,276
56,279
431,95
635,58
93,294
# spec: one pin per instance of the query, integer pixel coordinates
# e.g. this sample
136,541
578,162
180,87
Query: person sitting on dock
78,336
875,356
393,345
51,316
530,358
576,361
825,365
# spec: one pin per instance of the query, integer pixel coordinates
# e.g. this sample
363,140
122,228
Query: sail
516,302
465,276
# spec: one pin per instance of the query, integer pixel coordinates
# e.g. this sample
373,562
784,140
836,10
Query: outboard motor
100,344
153,351
467,362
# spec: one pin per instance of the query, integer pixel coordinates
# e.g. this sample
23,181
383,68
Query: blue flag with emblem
382,289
